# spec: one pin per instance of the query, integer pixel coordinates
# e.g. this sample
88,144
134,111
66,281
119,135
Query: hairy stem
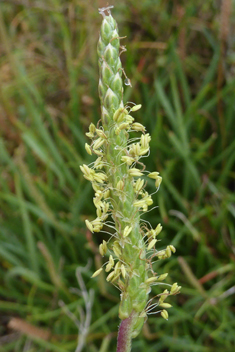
124,334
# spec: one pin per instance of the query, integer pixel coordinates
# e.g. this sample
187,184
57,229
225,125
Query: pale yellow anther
111,260
168,251
89,135
97,228
158,181
107,194
92,128
135,149
165,305
89,225
123,271
120,111
117,114
136,126
148,200
101,250
129,119
88,149
85,169
158,230
153,175
110,276
151,280
172,248
127,231
162,277
98,143
98,152
120,185
99,163
144,140
163,296
101,133
97,272
143,151
175,288
138,185
99,177
117,267
139,203
91,132
117,249
105,246
151,244
164,314
99,212
135,172
136,107
122,126
127,159
96,222
108,267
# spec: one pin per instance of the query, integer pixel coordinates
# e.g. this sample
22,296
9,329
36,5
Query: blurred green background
181,61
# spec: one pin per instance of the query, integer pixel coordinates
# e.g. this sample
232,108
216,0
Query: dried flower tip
151,244
165,305
153,175
164,314
135,172
89,225
88,149
127,231
97,272
136,107
158,181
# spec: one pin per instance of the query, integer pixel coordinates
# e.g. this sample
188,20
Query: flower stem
124,334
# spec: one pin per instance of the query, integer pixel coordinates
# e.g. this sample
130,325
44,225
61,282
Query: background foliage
181,62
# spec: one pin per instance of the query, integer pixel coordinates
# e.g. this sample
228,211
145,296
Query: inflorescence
120,195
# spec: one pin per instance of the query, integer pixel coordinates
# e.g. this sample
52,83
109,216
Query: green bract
119,189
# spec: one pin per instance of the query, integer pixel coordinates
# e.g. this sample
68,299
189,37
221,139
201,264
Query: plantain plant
118,178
